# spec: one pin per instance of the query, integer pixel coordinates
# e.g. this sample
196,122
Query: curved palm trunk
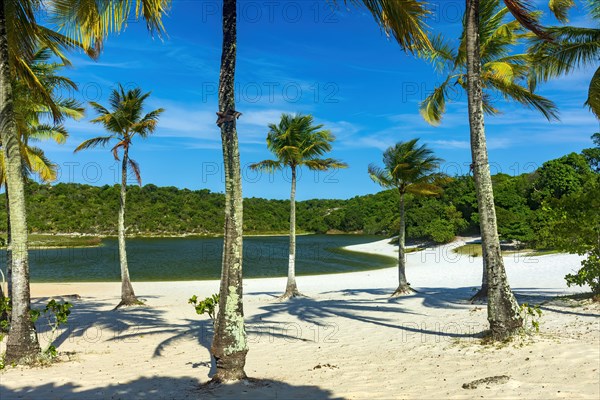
291,289
503,309
403,285
22,338
128,297
229,345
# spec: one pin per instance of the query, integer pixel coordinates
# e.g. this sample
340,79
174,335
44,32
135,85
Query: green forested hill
152,210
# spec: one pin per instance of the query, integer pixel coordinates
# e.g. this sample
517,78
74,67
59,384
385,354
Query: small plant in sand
56,314
207,306
531,316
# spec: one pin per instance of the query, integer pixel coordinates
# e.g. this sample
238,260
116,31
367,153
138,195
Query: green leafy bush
207,306
56,314
589,274
531,315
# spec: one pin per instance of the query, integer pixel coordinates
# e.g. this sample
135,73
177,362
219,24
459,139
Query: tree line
521,205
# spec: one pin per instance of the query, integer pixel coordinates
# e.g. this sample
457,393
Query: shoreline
149,236
418,263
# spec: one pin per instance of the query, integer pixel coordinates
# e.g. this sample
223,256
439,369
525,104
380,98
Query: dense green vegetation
526,206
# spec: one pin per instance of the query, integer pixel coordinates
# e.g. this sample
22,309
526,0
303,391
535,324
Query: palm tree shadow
454,298
164,387
378,311
97,320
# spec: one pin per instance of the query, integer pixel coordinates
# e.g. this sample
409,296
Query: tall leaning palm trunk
229,345
22,339
503,311
128,296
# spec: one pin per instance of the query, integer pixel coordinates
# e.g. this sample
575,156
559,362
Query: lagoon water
172,259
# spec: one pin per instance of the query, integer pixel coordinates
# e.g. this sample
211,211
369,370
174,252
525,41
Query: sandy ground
346,340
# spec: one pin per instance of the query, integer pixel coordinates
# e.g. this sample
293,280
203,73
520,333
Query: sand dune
346,340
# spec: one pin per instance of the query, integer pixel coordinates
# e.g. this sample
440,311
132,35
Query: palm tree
124,121
503,310
296,142
86,24
405,21
504,72
19,36
409,168
571,48
229,346
31,117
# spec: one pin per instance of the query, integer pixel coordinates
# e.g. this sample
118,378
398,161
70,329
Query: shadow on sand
160,387
377,309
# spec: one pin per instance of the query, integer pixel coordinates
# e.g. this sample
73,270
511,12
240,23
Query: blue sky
300,57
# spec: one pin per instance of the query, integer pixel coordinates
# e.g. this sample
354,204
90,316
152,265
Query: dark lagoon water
164,259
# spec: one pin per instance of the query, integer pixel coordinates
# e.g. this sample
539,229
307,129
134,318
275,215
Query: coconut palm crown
504,72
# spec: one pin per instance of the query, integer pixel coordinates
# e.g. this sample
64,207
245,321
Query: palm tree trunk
5,315
128,297
22,341
481,295
229,345
403,285
503,310
291,289
8,250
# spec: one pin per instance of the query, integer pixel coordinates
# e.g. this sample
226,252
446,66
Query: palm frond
269,166
90,21
135,167
594,8
560,8
433,107
36,85
403,19
324,164
522,95
424,189
38,163
593,100
99,108
573,48
58,133
381,176
115,150
500,70
523,13
441,54
148,123
94,142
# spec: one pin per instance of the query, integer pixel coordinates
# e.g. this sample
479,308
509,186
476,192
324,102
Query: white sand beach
346,340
